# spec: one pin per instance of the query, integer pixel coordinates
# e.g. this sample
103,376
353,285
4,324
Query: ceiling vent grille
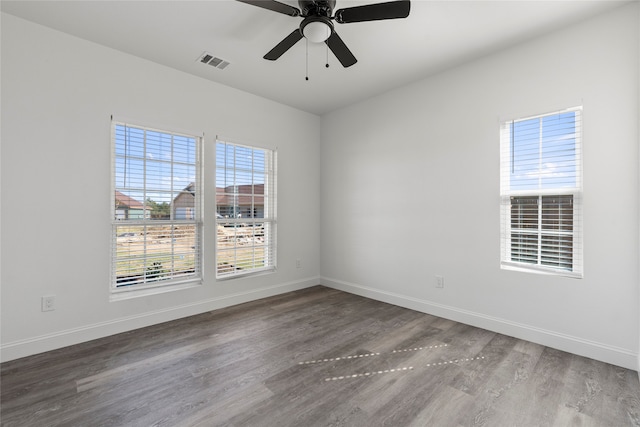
214,61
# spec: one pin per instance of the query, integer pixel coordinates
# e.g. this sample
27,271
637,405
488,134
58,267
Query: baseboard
39,344
582,347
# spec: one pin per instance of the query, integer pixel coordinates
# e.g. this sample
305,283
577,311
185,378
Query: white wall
410,190
58,93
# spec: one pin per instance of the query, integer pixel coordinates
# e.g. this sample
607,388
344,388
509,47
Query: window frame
182,280
574,191
269,213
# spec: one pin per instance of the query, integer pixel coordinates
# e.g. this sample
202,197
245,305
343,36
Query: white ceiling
437,35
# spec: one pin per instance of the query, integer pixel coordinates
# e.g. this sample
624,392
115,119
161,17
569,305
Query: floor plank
315,357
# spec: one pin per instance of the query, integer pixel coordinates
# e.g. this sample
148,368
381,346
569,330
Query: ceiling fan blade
284,45
374,12
273,6
340,50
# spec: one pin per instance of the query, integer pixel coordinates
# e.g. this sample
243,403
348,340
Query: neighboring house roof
191,188
186,197
226,197
122,200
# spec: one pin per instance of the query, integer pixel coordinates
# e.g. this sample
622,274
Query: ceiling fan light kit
317,27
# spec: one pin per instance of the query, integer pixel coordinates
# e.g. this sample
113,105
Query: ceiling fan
317,26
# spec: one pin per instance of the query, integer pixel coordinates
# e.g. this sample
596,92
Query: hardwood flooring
316,357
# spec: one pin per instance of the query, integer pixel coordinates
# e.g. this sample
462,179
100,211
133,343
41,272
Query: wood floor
316,357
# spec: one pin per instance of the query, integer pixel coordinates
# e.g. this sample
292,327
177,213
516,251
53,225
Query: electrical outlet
298,263
49,303
439,282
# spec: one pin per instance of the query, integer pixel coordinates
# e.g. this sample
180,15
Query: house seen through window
541,192
156,224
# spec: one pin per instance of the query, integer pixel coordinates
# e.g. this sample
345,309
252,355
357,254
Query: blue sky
239,165
157,165
153,165
543,152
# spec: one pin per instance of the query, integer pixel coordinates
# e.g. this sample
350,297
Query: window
541,193
156,203
245,209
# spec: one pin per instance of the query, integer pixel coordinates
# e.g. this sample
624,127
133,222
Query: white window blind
541,193
245,209
156,203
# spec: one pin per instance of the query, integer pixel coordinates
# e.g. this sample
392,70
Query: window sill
121,295
540,270
253,273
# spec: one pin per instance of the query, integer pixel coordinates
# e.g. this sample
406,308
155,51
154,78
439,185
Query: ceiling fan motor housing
317,7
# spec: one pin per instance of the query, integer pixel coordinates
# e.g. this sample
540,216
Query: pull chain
307,59
327,63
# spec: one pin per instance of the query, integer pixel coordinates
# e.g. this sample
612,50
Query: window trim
147,288
506,263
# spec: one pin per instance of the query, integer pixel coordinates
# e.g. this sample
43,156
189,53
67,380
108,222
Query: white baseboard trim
582,347
52,341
